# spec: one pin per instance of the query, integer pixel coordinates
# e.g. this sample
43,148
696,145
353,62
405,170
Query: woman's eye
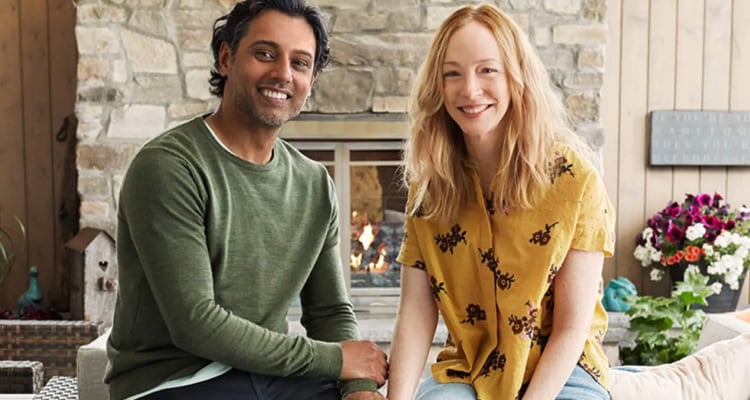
448,74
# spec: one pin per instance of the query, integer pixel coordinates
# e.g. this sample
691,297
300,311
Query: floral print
492,276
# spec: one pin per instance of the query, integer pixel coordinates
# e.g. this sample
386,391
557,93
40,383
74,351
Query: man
222,225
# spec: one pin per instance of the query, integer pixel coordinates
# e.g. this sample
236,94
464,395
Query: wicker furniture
21,376
53,343
59,388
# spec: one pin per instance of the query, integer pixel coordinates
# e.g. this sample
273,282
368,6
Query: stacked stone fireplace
143,66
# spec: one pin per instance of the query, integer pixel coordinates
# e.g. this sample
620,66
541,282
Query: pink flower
717,200
673,210
665,243
704,199
675,234
712,222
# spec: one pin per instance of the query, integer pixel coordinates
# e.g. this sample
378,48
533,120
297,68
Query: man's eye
264,54
302,64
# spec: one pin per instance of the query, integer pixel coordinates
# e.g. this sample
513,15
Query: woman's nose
470,86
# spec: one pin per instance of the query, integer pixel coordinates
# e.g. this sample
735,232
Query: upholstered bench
91,362
718,370
721,361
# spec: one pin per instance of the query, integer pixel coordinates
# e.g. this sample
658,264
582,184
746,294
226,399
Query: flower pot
724,301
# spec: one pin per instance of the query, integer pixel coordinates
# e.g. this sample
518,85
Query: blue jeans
580,386
239,385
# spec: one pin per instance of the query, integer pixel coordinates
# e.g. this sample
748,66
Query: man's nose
282,71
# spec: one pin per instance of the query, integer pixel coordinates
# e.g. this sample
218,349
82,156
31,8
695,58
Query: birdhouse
93,288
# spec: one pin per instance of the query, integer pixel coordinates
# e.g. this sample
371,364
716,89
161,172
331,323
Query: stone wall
143,66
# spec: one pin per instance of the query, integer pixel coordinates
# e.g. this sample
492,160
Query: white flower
655,255
692,268
744,241
708,249
723,240
656,274
641,254
716,287
695,231
741,253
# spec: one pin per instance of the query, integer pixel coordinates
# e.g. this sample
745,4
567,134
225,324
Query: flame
381,264
367,236
355,260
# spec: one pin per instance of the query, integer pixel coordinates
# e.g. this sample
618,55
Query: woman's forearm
576,294
414,329
556,363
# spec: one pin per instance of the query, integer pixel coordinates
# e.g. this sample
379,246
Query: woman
508,224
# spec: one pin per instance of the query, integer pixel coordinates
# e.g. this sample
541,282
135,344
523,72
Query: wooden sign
700,138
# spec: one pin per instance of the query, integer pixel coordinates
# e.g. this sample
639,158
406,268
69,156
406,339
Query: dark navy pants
239,385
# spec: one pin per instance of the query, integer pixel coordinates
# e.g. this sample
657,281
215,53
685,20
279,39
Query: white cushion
721,327
719,371
90,365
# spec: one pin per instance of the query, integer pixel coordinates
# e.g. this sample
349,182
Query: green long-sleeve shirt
212,250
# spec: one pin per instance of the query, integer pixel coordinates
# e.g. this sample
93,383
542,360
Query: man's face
270,76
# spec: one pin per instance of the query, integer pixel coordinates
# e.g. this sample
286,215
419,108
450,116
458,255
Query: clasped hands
364,360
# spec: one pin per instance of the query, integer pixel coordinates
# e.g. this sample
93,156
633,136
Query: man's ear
225,57
312,84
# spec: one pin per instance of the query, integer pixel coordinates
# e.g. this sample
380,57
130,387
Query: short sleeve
410,255
595,225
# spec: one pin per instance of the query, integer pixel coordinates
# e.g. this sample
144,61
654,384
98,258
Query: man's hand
364,396
363,360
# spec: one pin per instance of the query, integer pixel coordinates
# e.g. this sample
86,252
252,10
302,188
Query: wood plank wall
664,55
38,83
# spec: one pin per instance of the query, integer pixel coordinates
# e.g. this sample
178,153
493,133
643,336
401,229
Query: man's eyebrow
275,45
270,43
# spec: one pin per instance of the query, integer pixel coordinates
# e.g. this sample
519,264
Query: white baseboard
20,396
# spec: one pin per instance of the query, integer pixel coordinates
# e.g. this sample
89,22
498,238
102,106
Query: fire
367,236
373,262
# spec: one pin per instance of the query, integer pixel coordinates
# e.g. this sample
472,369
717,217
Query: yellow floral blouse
492,272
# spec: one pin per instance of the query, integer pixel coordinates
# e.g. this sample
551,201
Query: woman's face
474,81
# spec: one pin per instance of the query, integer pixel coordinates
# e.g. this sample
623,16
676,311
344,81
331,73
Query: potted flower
705,232
8,254
667,329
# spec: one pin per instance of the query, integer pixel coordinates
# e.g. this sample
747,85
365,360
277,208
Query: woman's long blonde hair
436,158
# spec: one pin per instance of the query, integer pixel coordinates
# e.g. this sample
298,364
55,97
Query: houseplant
8,255
8,251
667,328
702,231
